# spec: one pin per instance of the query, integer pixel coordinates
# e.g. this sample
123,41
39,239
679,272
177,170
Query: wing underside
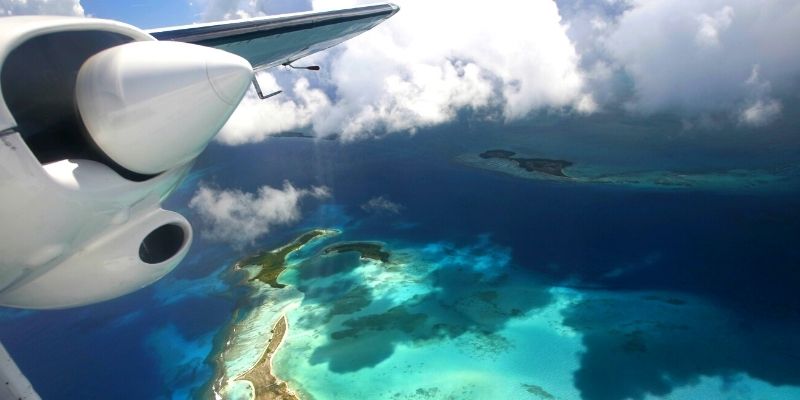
279,40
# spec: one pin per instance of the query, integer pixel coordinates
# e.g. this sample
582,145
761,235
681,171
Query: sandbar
265,385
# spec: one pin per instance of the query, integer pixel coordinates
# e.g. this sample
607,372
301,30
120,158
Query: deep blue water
737,250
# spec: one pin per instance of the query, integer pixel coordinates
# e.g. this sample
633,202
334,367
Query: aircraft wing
278,40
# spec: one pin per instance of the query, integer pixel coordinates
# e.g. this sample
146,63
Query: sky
718,66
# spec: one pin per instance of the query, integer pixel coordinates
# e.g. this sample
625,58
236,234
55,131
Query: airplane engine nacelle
78,233
125,258
151,106
99,123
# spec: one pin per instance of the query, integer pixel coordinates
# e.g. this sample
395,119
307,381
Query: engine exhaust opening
162,244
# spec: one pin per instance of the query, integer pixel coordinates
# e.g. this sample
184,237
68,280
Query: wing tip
395,9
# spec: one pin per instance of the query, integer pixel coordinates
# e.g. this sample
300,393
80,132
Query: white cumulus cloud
761,109
432,60
761,112
239,218
508,59
216,10
255,119
41,7
711,26
381,204
435,58
693,57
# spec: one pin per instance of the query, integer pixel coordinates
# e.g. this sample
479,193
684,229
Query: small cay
373,251
543,165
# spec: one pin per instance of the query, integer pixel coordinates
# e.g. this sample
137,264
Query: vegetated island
782,177
373,251
273,262
265,385
543,165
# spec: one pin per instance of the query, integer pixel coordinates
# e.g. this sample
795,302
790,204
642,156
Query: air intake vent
162,244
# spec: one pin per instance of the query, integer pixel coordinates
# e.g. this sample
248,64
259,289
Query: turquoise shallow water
442,321
785,177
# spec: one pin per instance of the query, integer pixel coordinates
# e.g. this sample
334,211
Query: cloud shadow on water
651,345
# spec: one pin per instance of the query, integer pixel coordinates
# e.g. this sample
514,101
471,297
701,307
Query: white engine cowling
95,237
125,259
151,106
78,230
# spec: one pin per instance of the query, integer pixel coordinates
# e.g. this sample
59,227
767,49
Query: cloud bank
41,7
732,59
239,218
428,64
708,56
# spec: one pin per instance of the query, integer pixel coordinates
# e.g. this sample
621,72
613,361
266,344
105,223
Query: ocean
501,283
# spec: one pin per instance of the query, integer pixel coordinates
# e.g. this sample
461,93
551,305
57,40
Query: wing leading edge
276,40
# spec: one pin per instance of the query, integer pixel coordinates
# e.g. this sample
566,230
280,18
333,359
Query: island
249,329
733,179
543,165
366,250
272,263
265,385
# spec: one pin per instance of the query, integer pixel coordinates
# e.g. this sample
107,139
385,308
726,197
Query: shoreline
272,263
732,179
263,270
265,385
